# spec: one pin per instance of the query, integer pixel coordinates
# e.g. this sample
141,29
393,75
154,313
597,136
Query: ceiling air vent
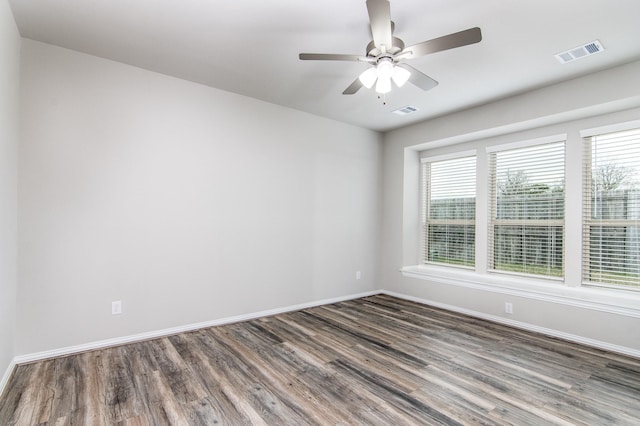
579,52
405,110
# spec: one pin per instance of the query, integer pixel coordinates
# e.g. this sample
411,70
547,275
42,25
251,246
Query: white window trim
452,156
612,128
527,143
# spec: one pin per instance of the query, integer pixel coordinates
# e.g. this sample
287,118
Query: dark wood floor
377,360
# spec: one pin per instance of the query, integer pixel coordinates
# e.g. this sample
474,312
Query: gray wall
599,99
187,203
9,119
191,204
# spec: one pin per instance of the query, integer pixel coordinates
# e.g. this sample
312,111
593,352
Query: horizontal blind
611,206
448,211
526,229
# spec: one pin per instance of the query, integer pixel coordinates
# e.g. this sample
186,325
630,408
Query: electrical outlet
508,308
116,307
358,275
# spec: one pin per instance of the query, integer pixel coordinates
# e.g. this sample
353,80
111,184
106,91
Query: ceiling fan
387,53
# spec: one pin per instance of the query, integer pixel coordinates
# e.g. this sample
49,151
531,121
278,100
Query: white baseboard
522,325
24,359
7,375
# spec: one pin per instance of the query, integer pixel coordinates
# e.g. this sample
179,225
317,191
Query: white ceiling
251,47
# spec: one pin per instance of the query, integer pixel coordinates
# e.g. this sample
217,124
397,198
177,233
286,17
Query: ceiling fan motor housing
397,47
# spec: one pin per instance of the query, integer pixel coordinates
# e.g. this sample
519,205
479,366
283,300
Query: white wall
595,100
9,118
187,203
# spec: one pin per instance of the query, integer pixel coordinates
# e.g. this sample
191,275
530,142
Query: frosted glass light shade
382,74
400,76
385,69
368,77
383,85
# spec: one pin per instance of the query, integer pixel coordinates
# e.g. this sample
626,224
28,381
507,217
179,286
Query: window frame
588,221
491,205
570,293
425,208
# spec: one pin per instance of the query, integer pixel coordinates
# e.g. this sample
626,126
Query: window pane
527,210
453,208
449,211
615,255
615,204
612,210
454,244
453,178
543,205
529,249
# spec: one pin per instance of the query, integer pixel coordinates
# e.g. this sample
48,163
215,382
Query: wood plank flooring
377,361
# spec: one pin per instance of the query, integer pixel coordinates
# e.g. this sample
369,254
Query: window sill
620,302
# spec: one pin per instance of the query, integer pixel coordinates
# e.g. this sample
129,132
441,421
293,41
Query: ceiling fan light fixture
385,68
385,51
400,76
384,71
369,77
383,85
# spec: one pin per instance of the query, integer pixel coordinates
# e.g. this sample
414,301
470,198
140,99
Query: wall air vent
405,110
579,52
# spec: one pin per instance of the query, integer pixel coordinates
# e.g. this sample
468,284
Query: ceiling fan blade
330,57
380,21
353,87
418,78
451,41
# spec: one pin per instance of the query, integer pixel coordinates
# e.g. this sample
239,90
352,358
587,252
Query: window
526,212
449,210
611,208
